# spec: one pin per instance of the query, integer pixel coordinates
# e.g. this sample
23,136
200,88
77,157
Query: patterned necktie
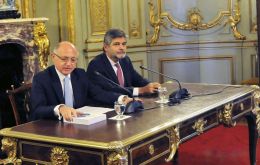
119,73
68,93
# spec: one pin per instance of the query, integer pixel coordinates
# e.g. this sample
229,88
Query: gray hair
112,34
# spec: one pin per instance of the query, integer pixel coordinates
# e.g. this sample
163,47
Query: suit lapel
76,88
57,85
109,70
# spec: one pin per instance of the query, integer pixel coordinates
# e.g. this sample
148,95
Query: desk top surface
139,126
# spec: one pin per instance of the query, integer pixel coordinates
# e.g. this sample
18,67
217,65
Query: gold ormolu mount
9,146
42,42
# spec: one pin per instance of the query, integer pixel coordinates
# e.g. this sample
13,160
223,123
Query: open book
90,115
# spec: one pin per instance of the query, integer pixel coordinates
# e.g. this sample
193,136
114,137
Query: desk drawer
40,153
187,129
149,150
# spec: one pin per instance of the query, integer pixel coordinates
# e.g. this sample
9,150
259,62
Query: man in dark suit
52,97
115,65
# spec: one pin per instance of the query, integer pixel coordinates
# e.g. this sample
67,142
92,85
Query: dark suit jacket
47,92
101,64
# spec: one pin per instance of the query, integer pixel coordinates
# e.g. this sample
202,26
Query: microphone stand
131,107
175,96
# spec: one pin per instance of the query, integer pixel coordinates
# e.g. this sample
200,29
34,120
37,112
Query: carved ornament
42,42
256,110
173,133
117,154
9,146
199,126
59,156
194,20
225,116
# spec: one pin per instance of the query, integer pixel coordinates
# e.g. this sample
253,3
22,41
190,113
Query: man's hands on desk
150,88
68,112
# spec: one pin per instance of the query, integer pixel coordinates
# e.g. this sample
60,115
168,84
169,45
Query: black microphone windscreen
134,106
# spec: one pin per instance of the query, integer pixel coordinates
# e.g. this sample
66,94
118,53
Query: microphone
131,107
175,96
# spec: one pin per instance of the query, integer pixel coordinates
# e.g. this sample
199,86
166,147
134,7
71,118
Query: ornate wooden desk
148,137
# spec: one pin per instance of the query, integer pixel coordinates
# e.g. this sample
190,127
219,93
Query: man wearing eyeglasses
115,65
60,88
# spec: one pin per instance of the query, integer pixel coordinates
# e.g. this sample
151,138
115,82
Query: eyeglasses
73,60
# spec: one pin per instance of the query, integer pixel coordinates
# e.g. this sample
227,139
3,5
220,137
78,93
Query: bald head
65,45
65,57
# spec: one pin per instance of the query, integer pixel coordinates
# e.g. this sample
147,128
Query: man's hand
127,100
68,113
150,88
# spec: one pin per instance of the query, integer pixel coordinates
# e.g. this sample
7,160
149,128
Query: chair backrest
20,102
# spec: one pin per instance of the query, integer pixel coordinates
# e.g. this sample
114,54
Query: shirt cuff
57,112
136,92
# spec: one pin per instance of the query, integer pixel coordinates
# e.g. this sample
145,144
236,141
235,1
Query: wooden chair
20,102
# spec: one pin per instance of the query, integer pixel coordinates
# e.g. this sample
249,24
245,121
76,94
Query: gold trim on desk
170,123
84,143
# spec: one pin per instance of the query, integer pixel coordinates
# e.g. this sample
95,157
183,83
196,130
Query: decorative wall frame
194,20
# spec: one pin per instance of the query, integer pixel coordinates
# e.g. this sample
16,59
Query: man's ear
105,47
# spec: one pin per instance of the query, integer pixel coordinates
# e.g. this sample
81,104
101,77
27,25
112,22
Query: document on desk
90,115
94,110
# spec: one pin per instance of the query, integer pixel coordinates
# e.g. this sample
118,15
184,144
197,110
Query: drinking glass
162,95
120,109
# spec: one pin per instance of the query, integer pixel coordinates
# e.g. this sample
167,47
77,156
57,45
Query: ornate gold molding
256,109
25,9
99,16
9,146
194,20
234,20
59,156
42,42
134,18
199,126
225,116
117,153
174,135
71,24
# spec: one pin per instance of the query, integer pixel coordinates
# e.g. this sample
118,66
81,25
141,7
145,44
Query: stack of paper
90,115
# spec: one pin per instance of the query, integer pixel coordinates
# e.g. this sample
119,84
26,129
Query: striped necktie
119,73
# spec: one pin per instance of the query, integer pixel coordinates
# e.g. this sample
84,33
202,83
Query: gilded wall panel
252,15
134,18
99,16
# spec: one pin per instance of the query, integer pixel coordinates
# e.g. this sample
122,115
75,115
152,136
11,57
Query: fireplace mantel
31,34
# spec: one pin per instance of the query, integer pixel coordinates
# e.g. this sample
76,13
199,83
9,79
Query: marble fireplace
24,50
30,38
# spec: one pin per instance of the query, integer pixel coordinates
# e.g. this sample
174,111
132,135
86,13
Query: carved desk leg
253,121
117,155
174,142
9,146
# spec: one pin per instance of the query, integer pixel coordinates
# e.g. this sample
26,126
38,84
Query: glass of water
120,109
162,95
